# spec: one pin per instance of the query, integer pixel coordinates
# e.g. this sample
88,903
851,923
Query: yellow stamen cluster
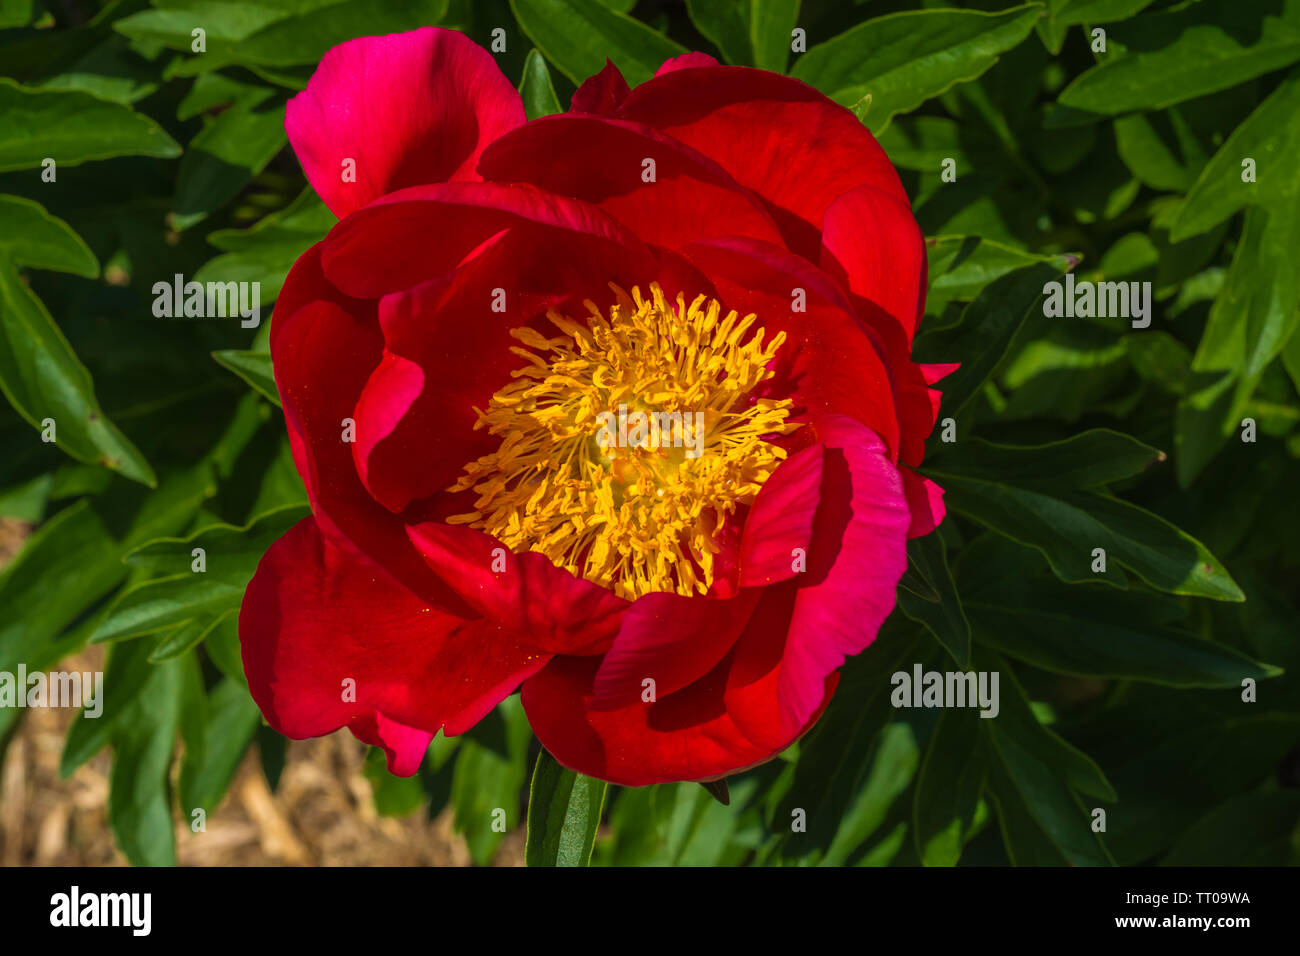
641,516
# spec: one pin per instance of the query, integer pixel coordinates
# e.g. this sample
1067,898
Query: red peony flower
616,405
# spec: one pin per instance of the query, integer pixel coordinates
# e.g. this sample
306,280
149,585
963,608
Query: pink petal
687,61
406,108
781,520
924,501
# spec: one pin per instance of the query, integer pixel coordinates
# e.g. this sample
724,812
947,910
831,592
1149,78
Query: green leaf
15,13
579,35
536,88
904,59
1052,512
253,367
835,757
1187,51
946,807
1271,137
230,554
265,252
42,376
943,618
185,636
31,237
285,234
1174,757
489,774
1097,11
961,266
109,70
148,607
232,148
394,796
563,815
893,765
77,548
984,333
1072,371
1249,325
1086,460
126,674
270,35
72,127
1032,771
1254,829
229,719
1160,149
139,806
748,32
1089,629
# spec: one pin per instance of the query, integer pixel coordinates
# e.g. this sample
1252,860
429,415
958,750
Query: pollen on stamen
627,440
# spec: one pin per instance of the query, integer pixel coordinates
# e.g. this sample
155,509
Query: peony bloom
615,405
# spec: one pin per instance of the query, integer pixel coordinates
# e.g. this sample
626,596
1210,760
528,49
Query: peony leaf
579,35
564,811
253,367
1049,497
985,331
943,616
904,59
229,555
40,373
947,809
489,774
1187,51
72,127
1089,630
748,32
536,89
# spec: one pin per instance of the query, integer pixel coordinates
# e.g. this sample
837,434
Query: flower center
626,442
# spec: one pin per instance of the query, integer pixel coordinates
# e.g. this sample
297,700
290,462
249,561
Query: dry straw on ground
322,813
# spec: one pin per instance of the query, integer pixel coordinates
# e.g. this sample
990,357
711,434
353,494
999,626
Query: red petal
424,233
559,612
672,640
602,93
873,245
318,613
324,347
685,736
777,136
687,61
823,341
407,108
601,161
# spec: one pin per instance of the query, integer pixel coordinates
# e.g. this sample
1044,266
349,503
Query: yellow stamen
580,477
